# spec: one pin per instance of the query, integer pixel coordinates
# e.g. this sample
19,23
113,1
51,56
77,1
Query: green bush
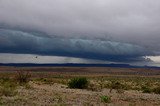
146,90
79,82
105,99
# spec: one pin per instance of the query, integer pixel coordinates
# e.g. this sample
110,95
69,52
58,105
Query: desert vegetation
79,82
66,89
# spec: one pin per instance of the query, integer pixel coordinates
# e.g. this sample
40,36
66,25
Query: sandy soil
39,94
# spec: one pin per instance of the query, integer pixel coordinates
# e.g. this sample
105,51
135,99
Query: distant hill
75,65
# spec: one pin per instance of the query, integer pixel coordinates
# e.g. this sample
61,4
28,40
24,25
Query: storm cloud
96,29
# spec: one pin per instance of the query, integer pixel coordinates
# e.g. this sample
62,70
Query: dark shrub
79,82
156,90
146,90
22,77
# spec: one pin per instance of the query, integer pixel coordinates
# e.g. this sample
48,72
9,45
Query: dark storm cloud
21,42
102,29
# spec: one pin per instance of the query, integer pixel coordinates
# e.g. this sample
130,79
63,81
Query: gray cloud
101,28
22,42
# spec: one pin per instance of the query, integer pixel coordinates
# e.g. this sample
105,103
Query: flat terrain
87,70
48,86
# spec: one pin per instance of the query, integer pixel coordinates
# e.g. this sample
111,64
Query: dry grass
51,89
60,95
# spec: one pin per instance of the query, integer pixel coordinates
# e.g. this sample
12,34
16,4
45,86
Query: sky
80,31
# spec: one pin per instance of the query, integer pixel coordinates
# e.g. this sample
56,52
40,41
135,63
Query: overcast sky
89,30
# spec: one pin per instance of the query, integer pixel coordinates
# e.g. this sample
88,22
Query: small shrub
5,79
28,86
117,86
101,82
157,90
8,89
105,99
80,83
22,77
146,90
46,80
93,87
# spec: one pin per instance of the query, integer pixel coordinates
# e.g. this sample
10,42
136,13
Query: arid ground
48,86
